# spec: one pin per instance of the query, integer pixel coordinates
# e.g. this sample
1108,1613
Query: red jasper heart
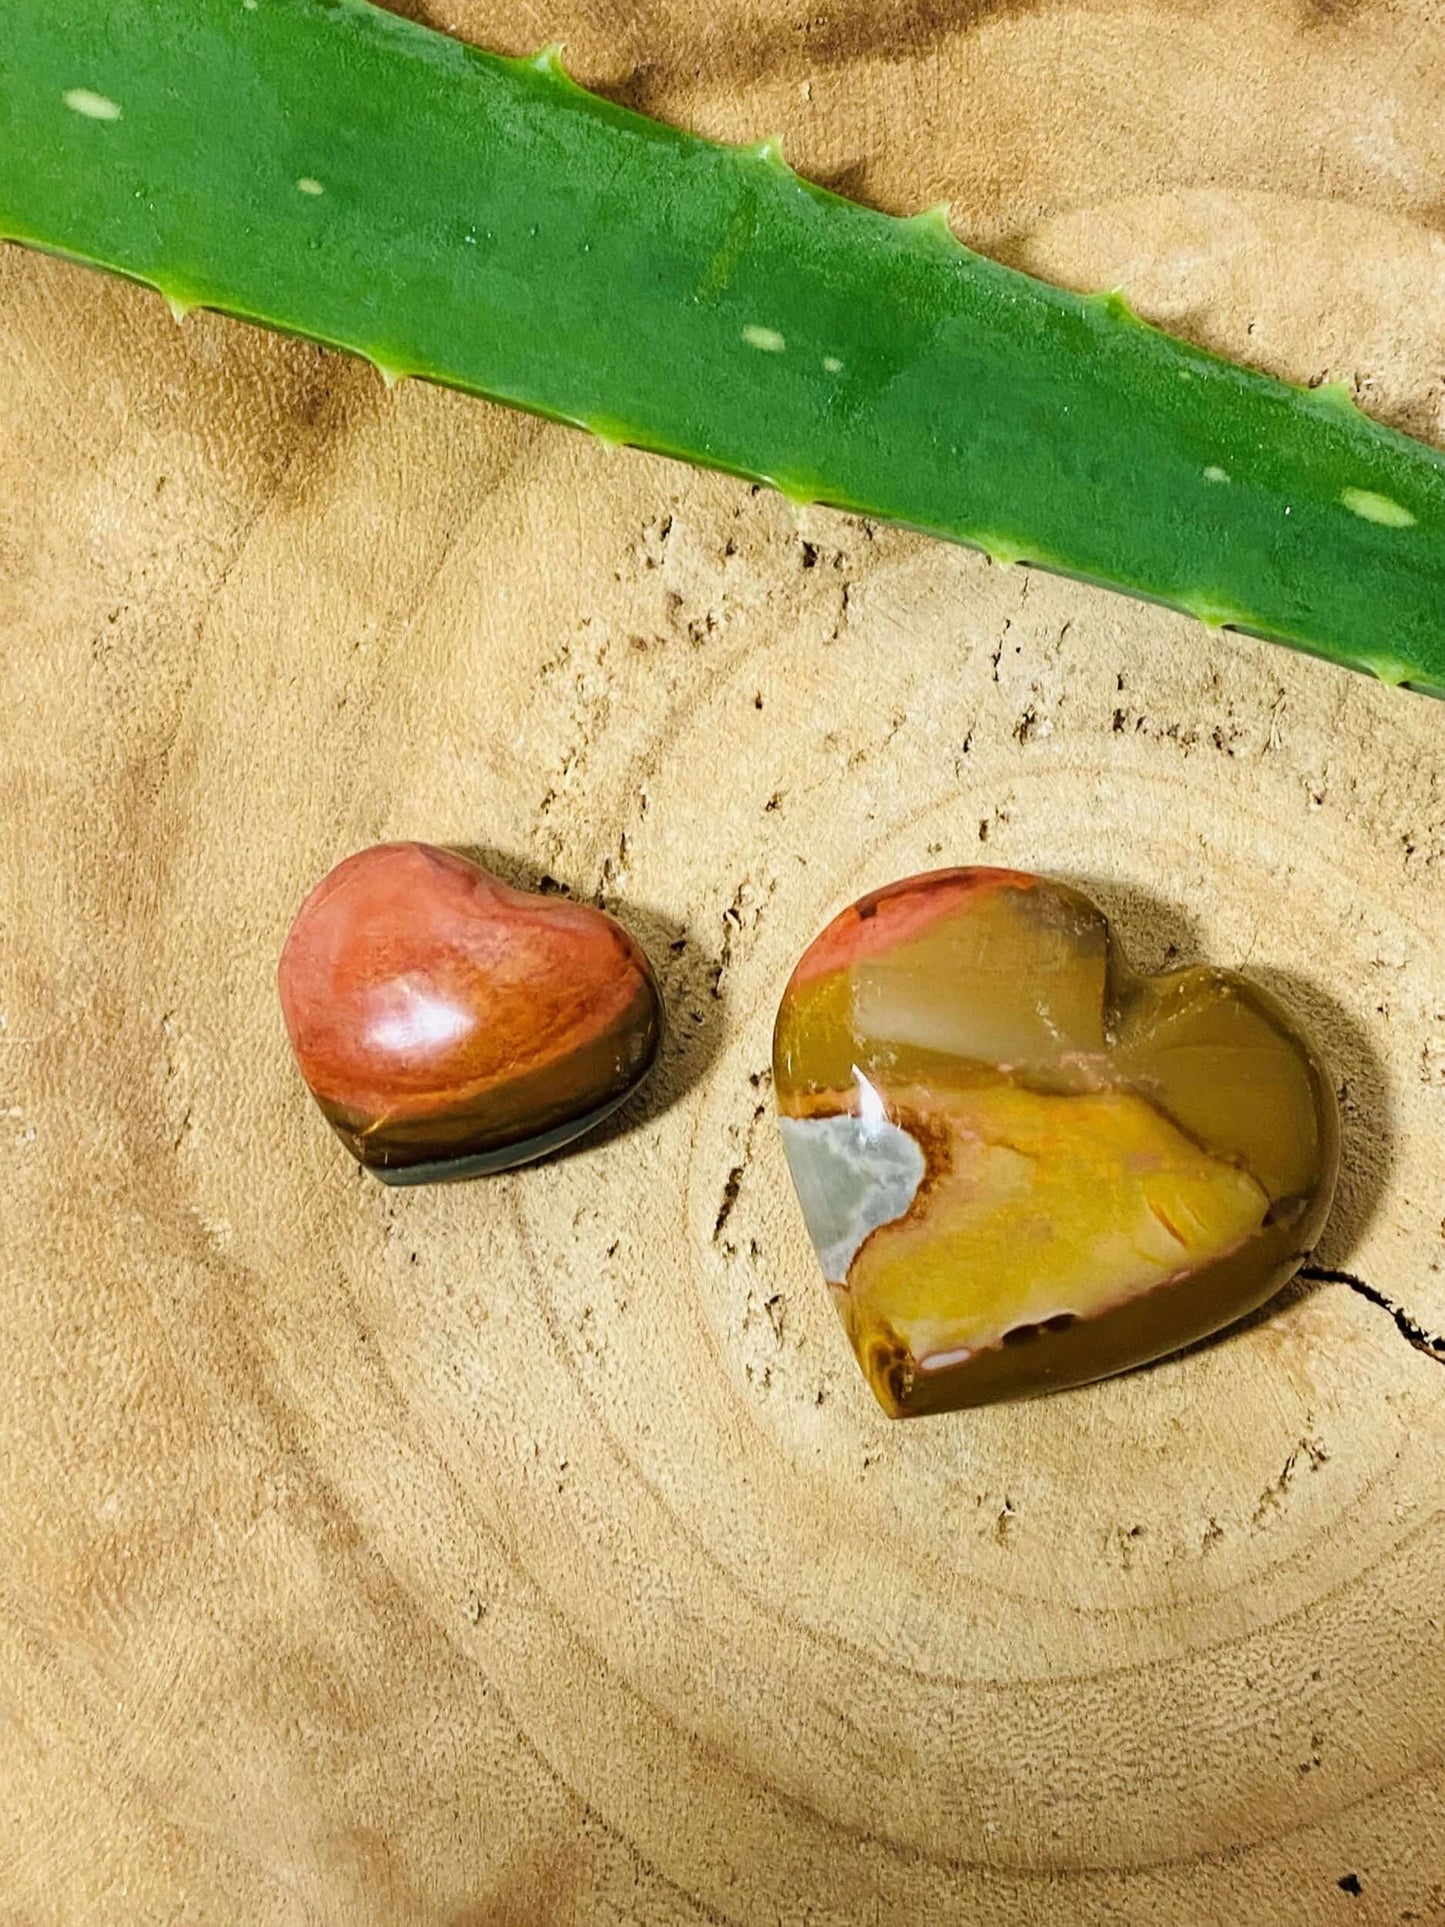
448,1024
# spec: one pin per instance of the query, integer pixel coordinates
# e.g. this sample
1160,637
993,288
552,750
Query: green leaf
326,168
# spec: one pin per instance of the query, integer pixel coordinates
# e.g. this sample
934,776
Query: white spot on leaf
832,364
768,339
1371,507
1213,474
80,100
309,186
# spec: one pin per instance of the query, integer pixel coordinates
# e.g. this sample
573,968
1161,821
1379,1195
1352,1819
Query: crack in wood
1409,1328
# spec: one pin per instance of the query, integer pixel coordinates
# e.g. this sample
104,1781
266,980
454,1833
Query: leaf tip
1337,395
934,223
610,435
793,489
1117,306
548,61
1000,549
1393,671
770,153
1211,611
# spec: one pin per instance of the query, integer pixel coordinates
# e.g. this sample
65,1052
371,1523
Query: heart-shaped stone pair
1023,1165
449,1025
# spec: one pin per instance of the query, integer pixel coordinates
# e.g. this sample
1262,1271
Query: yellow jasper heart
1024,1166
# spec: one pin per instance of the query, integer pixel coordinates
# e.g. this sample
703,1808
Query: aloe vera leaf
329,169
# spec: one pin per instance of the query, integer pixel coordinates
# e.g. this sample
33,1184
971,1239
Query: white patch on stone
768,339
80,100
940,1361
852,1174
1371,507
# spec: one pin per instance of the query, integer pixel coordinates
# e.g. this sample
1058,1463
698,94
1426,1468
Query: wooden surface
531,1553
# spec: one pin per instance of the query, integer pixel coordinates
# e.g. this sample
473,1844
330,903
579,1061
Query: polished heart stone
448,1024
1023,1165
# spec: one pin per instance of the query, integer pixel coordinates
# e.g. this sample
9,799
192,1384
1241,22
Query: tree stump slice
530,1552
